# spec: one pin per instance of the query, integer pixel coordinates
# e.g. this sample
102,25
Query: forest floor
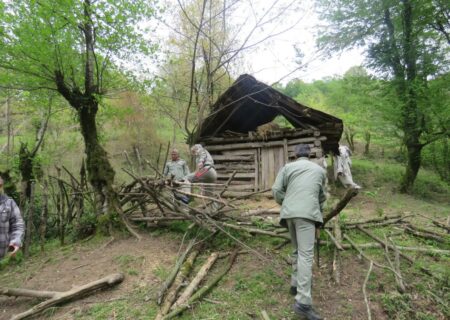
253,284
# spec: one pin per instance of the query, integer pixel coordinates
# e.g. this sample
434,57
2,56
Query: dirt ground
83,264
142,262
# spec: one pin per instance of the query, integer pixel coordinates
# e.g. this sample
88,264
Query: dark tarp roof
249,103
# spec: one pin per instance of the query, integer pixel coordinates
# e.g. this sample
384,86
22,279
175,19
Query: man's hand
12,249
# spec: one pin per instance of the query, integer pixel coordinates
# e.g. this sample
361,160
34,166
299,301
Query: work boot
293,290
306,311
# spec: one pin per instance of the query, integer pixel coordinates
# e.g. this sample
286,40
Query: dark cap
302,150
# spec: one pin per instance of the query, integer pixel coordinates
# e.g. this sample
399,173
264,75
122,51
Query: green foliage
402,42
41,37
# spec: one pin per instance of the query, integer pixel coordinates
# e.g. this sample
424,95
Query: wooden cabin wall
256,163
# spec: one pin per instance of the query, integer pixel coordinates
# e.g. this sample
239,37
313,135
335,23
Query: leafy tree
206,46
74,47
406,42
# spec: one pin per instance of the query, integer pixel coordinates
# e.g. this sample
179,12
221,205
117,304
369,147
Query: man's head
196,149
302,150
174,154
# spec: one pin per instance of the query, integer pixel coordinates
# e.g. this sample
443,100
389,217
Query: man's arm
166,169
16,226
279,188
185,169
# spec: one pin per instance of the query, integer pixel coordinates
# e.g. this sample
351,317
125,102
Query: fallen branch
201,292
366,299
437,223
409,259
399,280
401,248
57,298
168,282
340,205
384,218
187,293
177,284
264,315
362,254
336,254
261,212
254,231
419,234
334,241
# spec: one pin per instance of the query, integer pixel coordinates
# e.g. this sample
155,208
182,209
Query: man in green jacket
300,190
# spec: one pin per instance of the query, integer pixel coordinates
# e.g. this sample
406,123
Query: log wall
257,162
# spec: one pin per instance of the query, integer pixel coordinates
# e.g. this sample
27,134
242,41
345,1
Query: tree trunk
412,167
367,137
100,172
412,117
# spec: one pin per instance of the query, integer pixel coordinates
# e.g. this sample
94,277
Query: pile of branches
156,202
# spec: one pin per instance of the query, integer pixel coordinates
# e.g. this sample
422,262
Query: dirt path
82,264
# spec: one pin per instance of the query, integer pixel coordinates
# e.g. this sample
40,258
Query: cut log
187,293
177,284
168,282
61,297
201,292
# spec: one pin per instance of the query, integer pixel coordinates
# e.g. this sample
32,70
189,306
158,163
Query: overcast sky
275,59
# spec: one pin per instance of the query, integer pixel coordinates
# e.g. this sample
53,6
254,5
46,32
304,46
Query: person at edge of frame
11,224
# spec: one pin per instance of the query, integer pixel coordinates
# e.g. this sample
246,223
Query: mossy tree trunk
85,102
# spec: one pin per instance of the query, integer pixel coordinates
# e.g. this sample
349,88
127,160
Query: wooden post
257,161
285,150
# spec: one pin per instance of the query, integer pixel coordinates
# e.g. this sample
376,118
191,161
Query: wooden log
248,195
187,293
74,293
240,187
227,158
254,145
336,253
409,259
362,254
423,235
245,138
264,315
257,212
254,231
334,241
177,284
235,166
441,235
401,248
383,218
205,289
340,205
168,282
19,292
240,175
366,299
156,219
399,280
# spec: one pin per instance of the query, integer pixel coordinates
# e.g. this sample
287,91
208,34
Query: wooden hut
240,135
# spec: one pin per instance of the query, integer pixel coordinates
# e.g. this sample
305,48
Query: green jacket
300,190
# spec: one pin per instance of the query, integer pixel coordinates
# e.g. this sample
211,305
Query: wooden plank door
272,160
